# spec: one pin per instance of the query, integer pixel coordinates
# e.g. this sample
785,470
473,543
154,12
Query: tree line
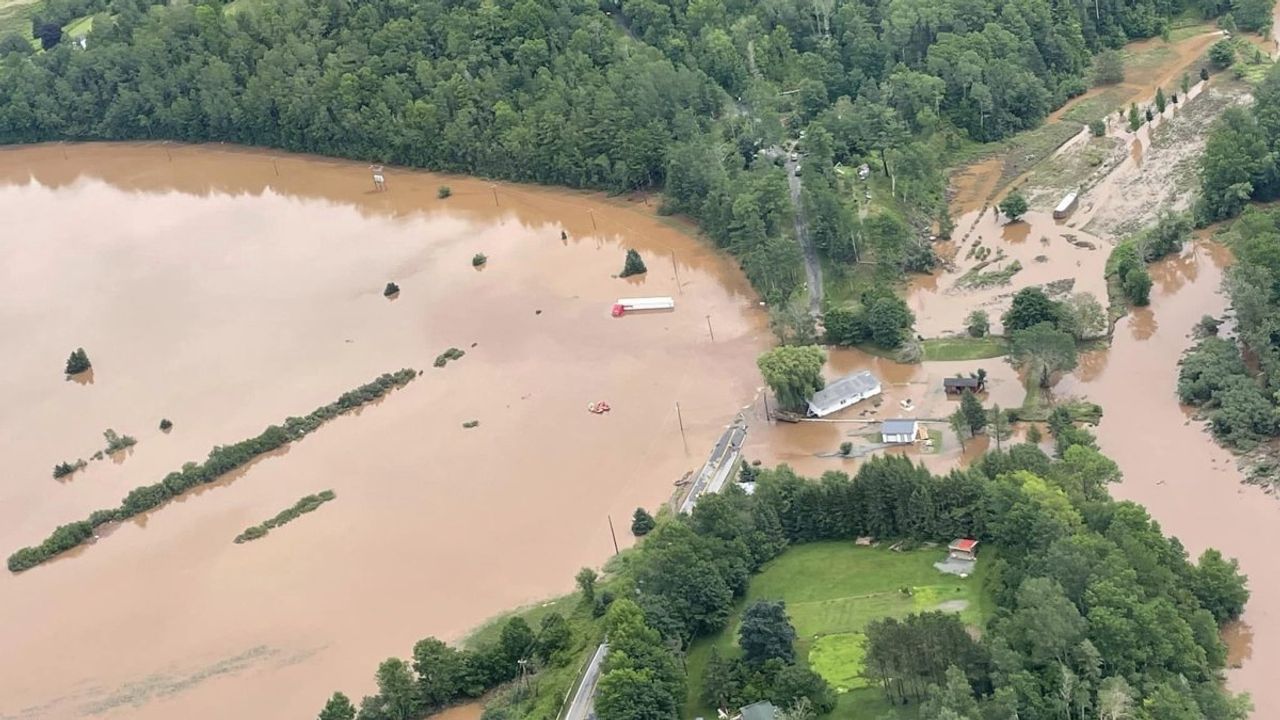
439,675
308,503
637,94
1239,160
221,459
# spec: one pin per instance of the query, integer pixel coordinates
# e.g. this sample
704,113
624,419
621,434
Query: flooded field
226,290
991,258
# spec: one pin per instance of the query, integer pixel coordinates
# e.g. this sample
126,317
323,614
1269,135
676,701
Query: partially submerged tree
634,265
1030,307
1042,350
793,372
1014,205
78,362
978,323
793,324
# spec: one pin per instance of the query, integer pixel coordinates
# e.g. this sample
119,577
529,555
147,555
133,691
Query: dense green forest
1240,161
1098,614
678,95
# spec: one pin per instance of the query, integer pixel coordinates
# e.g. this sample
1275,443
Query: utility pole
680,419
713,332
494,188
613,535
677,269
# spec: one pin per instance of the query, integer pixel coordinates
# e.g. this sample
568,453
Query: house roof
763,710
963,544
829,397
898,427
960,382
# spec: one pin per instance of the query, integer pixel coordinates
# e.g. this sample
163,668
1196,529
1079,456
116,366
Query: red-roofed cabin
964,549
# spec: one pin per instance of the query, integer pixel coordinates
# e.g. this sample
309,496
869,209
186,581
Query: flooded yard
227,289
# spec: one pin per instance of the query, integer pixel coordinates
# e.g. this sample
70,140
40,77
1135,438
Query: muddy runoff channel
228,289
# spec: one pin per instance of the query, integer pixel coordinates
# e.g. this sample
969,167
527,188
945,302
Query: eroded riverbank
225,289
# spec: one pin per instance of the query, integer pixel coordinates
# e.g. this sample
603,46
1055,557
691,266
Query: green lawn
78,27
964,348
832,590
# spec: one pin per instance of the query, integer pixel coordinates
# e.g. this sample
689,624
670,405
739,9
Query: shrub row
222,458
305,505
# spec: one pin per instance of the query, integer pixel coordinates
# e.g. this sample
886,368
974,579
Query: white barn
844,392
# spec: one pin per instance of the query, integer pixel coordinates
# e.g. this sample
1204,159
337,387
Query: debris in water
470,424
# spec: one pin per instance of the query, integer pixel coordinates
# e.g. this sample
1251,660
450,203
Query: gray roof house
840,394
900,431
763,710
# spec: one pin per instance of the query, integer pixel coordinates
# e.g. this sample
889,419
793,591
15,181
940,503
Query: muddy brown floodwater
226,289
1172,465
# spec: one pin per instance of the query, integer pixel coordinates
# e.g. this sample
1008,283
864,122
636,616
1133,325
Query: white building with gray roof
840,394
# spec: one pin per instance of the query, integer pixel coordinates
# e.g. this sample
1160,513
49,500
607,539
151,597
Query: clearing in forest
832,590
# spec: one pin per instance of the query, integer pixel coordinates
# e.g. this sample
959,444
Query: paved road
812,268
584,701
711,477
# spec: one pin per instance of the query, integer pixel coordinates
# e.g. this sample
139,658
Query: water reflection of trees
1173,272
1142,323
1091,364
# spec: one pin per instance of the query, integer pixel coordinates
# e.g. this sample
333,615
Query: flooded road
226,289
1172,465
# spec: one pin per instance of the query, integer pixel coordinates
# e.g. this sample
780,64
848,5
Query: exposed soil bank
225,289
1172,465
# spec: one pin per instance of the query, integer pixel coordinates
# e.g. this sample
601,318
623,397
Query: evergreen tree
766,633
975,415
634,265
78,362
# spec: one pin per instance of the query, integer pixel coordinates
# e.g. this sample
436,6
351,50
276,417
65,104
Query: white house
900,432
840,394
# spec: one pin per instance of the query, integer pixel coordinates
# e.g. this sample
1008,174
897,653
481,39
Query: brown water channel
1172,466
227,289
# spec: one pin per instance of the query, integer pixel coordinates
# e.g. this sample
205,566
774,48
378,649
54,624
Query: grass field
15,16
832,590
964,348
78,27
